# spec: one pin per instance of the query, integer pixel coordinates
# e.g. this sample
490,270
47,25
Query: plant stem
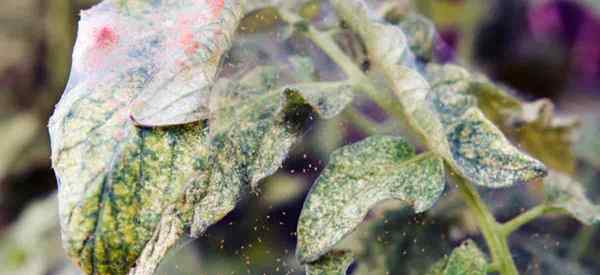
509,227
355,75
497,243
491,230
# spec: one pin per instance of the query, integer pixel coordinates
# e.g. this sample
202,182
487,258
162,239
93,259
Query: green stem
511,226
355,75
497,243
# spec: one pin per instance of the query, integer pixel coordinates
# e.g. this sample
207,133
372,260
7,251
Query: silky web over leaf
174,48
435,106
477,146
128,194
466,259
563,192
357,177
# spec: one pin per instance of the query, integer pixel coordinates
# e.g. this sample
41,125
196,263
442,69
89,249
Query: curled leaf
334,263
358,177
563,192
466,259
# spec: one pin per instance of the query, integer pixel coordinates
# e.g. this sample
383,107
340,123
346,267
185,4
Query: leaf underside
358,177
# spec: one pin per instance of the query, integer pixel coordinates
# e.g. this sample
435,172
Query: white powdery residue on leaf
173,47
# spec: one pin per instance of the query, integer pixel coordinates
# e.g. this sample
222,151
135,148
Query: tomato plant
171,116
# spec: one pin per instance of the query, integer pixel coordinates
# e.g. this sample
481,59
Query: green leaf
563,192
333,263
358,177
128,194
466,259
438,108
477,147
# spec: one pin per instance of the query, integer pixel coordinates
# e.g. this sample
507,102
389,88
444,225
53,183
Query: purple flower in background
574,27
445,46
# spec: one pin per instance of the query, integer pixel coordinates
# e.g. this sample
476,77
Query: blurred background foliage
540,48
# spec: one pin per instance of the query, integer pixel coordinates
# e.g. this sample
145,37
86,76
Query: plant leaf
420,33
563,192
358,177
333,263
478,148
128,194
175,47
546,136
466,259
587,146
447,119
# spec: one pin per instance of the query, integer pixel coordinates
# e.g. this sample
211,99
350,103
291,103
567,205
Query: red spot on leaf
105,38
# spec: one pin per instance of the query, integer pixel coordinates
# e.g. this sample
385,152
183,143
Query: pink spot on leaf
216,6
105,38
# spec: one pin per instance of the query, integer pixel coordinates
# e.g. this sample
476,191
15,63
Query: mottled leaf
250,133
333,263
174,47
477,146
534,125
437,108
128,194
563,192
466,259
358,177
